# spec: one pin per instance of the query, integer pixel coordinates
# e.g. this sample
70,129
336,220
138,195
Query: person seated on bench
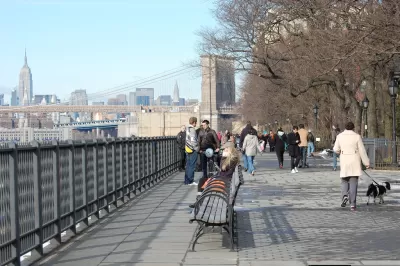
229,160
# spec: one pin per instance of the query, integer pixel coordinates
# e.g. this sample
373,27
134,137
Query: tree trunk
358,121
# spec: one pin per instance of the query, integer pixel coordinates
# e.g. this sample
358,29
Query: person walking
294,149
181,141
351,148
250,148
303,146
311,143
335,131
280,146
191,149
271,141
243,134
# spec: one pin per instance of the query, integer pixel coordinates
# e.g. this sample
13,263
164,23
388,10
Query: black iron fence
383,154
47,189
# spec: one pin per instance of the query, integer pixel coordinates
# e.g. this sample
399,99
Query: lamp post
365,105
315,109
393,90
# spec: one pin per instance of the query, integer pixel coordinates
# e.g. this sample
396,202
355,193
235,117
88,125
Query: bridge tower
217,88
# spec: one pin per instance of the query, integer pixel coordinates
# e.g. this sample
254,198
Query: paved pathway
283,219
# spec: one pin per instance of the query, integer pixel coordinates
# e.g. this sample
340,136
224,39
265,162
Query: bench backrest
236,181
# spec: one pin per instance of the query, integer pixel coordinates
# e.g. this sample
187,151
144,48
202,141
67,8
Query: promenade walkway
283,220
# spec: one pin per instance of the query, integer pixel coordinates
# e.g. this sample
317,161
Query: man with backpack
311,143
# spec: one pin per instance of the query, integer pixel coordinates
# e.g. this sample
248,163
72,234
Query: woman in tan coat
350,146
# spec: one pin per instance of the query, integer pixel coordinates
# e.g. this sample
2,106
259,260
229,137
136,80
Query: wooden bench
215,207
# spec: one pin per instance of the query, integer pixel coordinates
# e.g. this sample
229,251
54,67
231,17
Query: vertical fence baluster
114,178
96,177
71,179
121,169
14,203
37,190
84,182
57,188
105,181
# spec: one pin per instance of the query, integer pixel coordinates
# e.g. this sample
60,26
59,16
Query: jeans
204,163
244,157
191,159
349,188
250,164
335,155
310,148
303,155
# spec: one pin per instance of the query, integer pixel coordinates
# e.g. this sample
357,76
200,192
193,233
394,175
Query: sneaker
295,169
252,172
352,208
344,201
334,168
281,166
193,184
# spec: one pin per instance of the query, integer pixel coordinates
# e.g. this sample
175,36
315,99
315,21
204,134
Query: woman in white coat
250,148
351,148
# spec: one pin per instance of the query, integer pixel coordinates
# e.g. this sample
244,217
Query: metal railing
47,189
383,154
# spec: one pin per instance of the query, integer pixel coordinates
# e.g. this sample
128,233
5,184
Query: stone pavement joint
282,219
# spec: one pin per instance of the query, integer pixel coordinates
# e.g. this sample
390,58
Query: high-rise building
164,100
1,99
78,97
182,101
122,99
113,101
144,96
14,97
132,98
97,103
175,99
25,83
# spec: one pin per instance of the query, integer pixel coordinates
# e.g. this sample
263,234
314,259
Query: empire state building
25,89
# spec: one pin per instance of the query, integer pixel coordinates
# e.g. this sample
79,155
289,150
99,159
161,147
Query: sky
100,44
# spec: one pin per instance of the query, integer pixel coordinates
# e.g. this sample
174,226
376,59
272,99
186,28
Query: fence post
114,178
84,183
71,178
105,181
37,196
14,203
57,188
96,177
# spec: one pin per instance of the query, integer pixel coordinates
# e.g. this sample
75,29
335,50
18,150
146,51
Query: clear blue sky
99,44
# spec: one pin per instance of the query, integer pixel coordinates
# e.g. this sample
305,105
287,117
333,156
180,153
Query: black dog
377,191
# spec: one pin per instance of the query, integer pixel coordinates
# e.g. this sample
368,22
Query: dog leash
370,177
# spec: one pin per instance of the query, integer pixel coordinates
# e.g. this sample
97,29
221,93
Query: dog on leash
377,191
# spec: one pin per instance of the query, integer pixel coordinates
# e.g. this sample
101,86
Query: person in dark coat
181,141
280,144
293,140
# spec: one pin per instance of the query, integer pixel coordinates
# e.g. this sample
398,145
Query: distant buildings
192,102
28,134
25,88
142,96
1,99
164,100
78,97
97,103
14,97
176,94
122,99
41,99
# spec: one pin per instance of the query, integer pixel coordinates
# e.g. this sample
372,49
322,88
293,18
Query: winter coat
303,137
243,134
181,140
280,143
191,138
294,149
310,137
208,139
352,152
250,145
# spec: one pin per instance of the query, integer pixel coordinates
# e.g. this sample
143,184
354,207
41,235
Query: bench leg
199,233
231,224
226,229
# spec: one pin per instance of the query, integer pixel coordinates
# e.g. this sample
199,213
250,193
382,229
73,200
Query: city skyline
60,64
